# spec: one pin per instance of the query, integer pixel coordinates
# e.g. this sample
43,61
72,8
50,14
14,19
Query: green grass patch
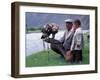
44,58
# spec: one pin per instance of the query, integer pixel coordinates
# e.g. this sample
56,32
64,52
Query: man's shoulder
79,30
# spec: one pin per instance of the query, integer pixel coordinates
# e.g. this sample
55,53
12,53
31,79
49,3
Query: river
34,42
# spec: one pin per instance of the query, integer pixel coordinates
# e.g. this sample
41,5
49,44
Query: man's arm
63,38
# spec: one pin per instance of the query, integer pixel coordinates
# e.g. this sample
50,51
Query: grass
44,59
53,59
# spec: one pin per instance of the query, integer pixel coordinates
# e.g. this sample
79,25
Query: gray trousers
58,48
77,55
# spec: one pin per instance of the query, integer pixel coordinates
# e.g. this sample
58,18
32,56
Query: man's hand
69,56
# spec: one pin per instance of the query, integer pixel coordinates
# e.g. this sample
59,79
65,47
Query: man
77,42
64,44
68,35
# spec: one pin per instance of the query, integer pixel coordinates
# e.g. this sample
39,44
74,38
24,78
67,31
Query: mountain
39,19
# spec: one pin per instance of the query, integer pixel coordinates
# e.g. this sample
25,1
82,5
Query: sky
40,19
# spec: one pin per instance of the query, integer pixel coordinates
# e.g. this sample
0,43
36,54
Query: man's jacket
67,39
77,41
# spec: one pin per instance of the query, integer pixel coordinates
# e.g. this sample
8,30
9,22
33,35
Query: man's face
69,25
75,25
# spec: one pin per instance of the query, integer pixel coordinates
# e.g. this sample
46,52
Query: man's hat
68,20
